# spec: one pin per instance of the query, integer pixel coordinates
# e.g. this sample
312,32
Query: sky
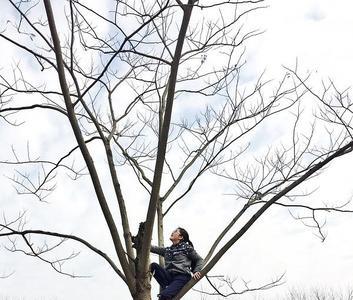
317,34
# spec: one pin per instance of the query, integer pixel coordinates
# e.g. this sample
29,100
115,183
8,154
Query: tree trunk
143,288
143,277
163,139
143,296
160,232
160,229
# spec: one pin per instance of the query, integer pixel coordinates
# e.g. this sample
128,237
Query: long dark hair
185,236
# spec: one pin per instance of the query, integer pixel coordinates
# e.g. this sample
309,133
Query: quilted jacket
180,258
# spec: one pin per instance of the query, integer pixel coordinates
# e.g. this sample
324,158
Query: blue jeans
171,283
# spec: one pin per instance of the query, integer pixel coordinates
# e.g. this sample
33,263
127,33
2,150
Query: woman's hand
196,275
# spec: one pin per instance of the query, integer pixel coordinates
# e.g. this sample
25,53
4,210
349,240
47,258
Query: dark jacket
180,258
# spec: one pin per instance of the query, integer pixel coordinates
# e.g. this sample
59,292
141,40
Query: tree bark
160,229
143,288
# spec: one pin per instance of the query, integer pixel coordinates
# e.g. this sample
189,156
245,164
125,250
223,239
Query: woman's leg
160,274
176,284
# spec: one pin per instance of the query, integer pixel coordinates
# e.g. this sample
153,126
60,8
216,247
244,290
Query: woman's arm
158,250
196,263
154,249
197,260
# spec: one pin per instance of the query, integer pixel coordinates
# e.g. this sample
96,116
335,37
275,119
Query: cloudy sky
318,34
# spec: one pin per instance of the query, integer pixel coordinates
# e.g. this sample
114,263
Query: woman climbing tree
181,263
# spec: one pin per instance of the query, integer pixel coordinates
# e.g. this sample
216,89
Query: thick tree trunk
143,277
143,288
143,296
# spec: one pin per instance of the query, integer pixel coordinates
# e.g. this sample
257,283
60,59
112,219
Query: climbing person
181,263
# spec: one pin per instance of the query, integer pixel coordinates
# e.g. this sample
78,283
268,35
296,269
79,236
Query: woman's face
175,237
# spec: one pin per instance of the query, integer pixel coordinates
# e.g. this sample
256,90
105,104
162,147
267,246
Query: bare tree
115,77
